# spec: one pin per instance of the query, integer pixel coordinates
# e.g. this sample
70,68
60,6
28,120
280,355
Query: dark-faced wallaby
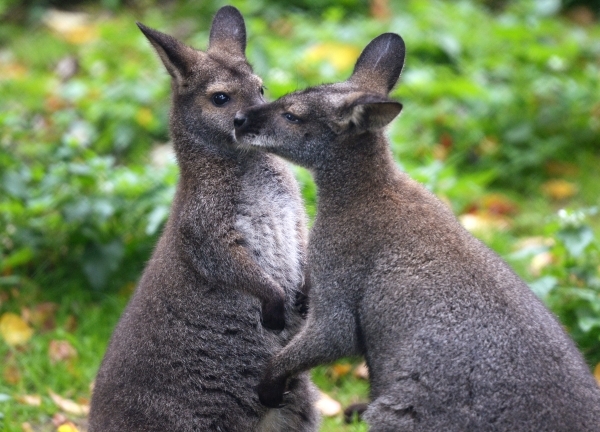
190,348
453,339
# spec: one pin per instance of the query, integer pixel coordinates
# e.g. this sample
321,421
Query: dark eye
262,90
220,99
291,118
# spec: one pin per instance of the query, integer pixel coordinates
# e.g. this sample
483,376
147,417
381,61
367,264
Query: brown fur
453,339
190,347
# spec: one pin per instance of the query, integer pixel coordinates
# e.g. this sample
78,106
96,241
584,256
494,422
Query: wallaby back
191,345
453,339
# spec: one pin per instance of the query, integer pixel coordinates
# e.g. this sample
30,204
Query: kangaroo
190,348
453,338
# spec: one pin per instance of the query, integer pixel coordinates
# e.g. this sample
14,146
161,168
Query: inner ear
367,112
228,32
177,57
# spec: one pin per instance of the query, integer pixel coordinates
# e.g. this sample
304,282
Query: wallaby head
210,86
313,126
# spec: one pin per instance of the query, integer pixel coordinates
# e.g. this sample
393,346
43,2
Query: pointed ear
367,112
177,57
228,32
379,65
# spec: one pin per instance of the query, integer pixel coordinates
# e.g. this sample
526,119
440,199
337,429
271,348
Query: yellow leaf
340,56
340,369
67,427
597,373
144,117
69,406
559,189
328,406
14,330
9,71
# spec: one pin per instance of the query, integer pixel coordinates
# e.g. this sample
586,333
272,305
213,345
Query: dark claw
271,392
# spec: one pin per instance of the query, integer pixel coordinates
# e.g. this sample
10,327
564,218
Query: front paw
273,314
271,392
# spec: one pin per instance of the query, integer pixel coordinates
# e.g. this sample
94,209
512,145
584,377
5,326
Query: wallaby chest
269,215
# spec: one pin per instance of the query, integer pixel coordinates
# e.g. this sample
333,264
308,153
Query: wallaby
453,339
190,349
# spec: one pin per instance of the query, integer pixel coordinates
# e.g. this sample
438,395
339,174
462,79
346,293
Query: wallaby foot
271,391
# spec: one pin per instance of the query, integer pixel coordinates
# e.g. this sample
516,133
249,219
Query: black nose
239,120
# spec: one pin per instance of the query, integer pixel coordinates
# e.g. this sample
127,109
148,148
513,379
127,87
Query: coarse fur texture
190,348
453,338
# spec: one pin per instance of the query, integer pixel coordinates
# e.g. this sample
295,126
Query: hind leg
300,413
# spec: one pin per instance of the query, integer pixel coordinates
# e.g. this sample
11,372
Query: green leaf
543,286
576,239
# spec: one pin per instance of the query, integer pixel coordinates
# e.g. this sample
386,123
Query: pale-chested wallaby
190,348
453,339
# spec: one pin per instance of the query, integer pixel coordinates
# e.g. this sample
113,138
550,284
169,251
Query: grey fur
189,349
453,338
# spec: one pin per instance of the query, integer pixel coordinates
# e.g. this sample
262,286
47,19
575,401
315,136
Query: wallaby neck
198,158
364,164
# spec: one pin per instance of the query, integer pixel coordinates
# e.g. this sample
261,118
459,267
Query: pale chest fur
269,215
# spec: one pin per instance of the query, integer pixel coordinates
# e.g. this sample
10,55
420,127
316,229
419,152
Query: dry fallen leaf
539,262
328,406
11,374
42,315
61,351
32,400
74,27
362,371
58,419
26,427
559,189
597,373
483,222
380,9
69,406
339,370
14,329
498,204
